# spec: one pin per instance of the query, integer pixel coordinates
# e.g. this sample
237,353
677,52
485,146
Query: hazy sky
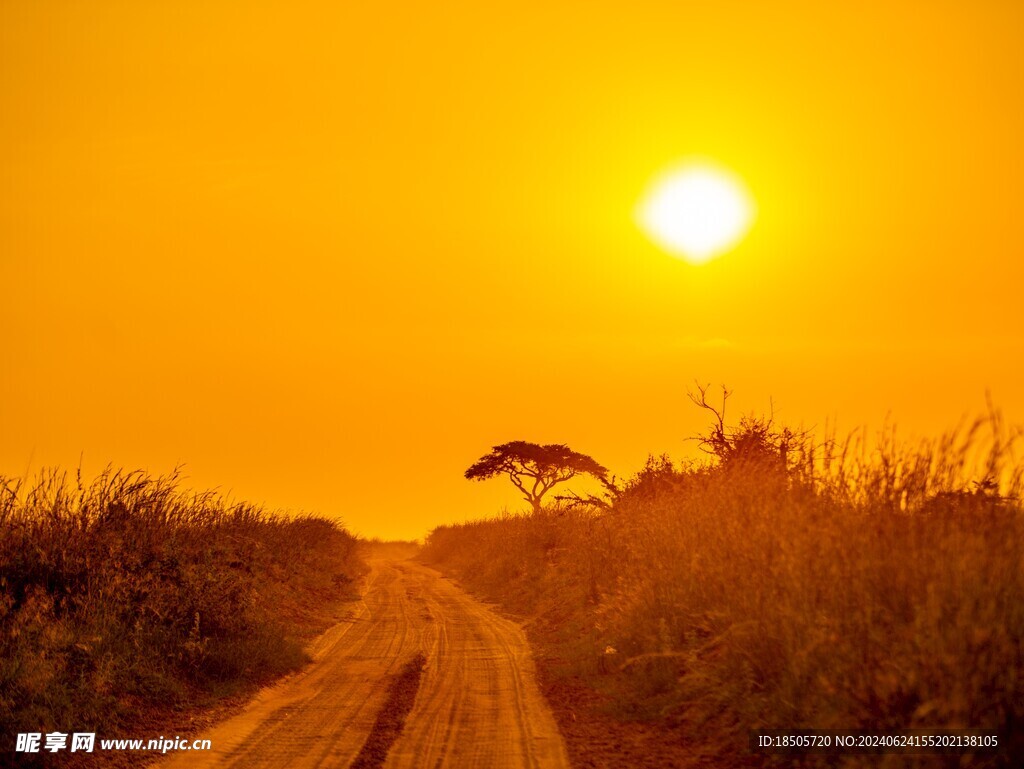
326,254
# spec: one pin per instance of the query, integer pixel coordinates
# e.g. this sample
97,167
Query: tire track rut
478,704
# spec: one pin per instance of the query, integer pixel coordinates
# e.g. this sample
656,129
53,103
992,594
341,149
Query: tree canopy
533,468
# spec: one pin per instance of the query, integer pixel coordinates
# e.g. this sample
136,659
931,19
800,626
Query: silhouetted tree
534,469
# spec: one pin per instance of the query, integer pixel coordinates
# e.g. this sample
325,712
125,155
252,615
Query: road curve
478,704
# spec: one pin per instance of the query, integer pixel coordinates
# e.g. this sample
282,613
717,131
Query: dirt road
477,703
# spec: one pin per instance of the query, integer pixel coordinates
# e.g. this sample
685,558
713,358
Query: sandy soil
477,703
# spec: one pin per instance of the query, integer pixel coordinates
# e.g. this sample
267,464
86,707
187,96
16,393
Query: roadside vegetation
788,581
125,598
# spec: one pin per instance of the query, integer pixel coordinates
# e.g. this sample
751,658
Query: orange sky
326,254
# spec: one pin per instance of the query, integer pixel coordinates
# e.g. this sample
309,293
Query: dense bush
840,588
126,594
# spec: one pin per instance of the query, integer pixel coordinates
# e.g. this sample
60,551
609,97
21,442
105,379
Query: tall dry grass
850,587
127,594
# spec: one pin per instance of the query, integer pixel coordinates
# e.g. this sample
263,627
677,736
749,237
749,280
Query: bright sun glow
696,212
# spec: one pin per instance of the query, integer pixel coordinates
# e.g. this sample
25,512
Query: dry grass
851,588
126,594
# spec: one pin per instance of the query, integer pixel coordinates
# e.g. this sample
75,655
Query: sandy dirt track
478,704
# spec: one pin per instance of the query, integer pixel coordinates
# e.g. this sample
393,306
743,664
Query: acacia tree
534,469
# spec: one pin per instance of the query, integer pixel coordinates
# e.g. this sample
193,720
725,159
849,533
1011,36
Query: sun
696,212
